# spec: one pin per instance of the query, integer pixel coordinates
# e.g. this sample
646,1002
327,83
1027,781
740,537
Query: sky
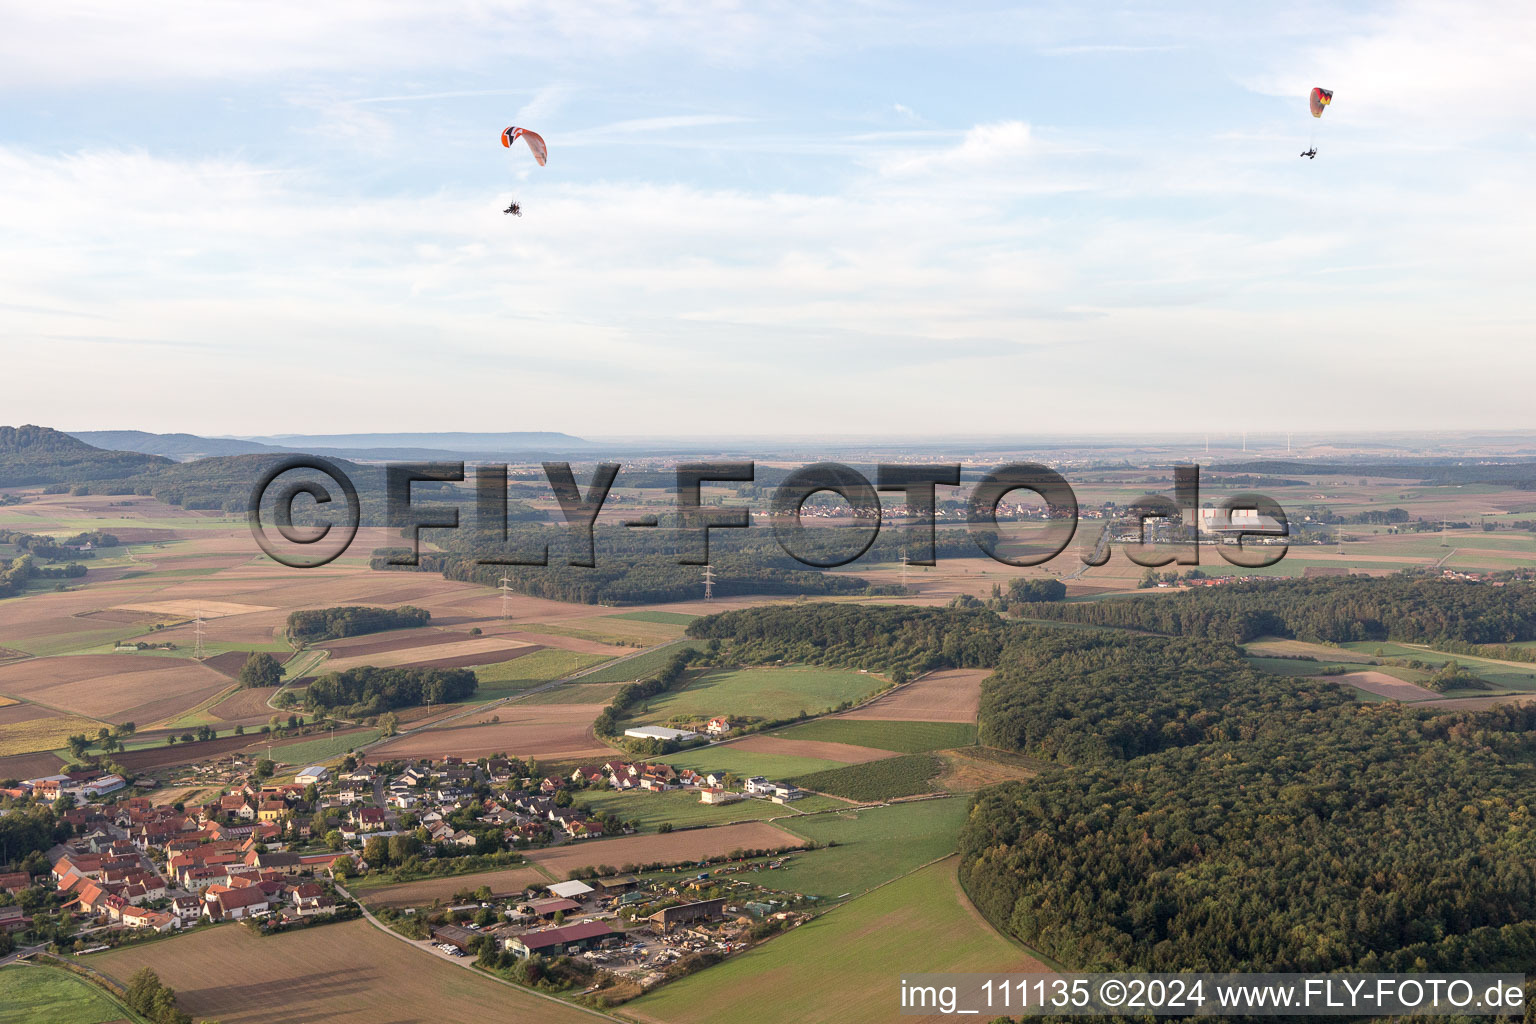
766,218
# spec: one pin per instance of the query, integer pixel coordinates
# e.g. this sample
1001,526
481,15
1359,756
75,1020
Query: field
906,775
46,995
451,652
552,731
952,695
1384,685
349,973
508,677
638,667
629,851
844,965
967,769
574,693
728,758
40,734
671,618
430,890
760,693
113,687
902,737
681,808
874,845
818,749
322,748
29,766
1324,653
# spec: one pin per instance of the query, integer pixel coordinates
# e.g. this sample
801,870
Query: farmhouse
717,795
550,907
454,935
315,774
551,941
687,913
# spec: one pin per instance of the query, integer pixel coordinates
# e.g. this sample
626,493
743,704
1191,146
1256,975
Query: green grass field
874,845
902,737
844,966
508,677
760,693
907,775
575,693
745,763
1295,667
308,752
639,667
45,995
682,807
667,618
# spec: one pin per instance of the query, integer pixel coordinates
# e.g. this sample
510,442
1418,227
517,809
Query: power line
197,636
709,583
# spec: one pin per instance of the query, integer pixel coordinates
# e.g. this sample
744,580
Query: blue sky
880,219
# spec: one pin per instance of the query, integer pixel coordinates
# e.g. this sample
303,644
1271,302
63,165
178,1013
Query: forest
641,566
368,691
313,624
1416,609
1202,815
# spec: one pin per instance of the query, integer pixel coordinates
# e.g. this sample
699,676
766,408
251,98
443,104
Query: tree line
310,625
367,690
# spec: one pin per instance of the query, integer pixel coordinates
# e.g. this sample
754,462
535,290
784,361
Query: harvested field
121,615
191,609
231,662
394,640
29,766
113,687
480,650
952,695
349,973
673,847
183,753
244,705
39,734
846,753
1384,685
549,731
12,712
428,890
972,768
1325,653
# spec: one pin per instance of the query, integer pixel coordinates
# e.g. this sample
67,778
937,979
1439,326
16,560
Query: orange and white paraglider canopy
534,139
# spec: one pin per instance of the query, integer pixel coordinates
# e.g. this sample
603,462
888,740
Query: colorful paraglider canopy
534,139
1320,99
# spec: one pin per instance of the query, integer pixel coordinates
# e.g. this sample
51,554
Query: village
278,855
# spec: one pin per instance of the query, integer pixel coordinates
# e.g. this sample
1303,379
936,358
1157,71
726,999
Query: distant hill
41,455
367,447
176,446
452,441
